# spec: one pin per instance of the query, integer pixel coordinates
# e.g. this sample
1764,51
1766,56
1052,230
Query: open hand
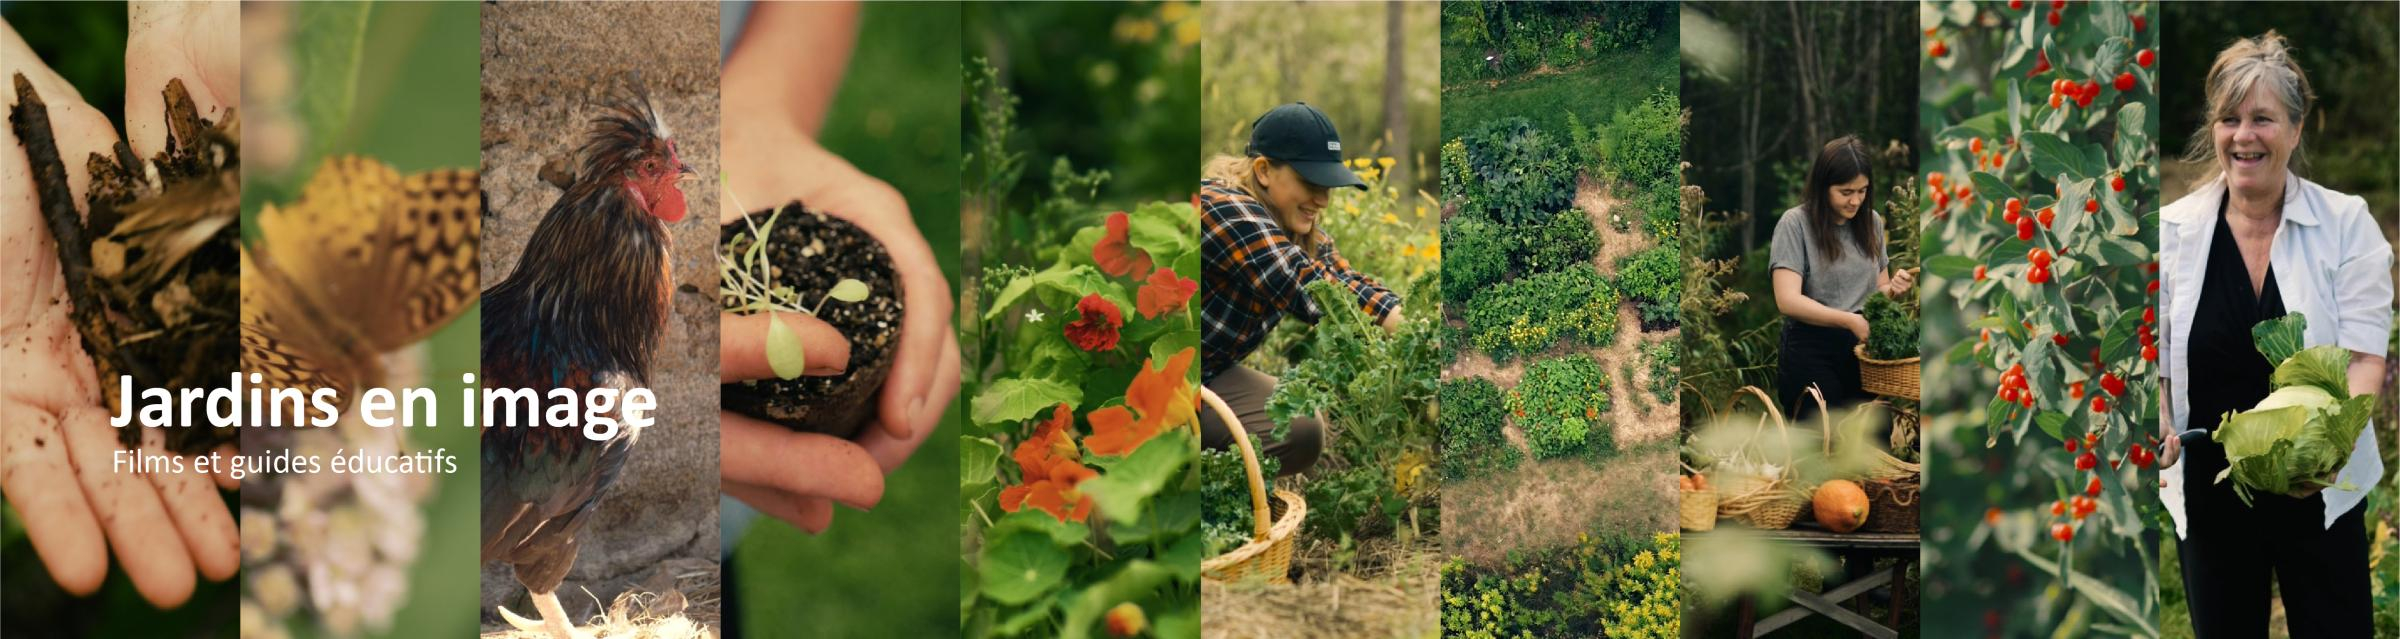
58,453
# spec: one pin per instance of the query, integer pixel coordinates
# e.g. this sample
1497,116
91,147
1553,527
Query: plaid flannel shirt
1252,274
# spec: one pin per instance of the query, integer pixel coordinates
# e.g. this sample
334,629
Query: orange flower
1052,468
1115,255
1164,293
1156,401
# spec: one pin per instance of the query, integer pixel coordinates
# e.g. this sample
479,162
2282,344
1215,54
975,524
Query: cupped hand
771,163
1858,326
59,456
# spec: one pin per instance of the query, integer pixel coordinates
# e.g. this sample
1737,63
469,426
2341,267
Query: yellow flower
1408,249
1384,162
1391,219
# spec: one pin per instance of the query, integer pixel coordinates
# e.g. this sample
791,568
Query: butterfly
365,262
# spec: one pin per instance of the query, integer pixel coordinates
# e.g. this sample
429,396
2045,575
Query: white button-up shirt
2331,263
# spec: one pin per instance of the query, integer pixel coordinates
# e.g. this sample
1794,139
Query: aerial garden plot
1561,287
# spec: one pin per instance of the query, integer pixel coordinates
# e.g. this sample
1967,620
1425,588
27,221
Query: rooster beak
684,173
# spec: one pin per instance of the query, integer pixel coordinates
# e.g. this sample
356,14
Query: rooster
584,309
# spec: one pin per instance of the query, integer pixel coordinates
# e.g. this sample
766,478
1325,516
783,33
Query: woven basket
1887,377
1268,556
1892,505
1699,510
1769,503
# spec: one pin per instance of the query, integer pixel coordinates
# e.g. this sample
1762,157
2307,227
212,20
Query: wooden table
1856,550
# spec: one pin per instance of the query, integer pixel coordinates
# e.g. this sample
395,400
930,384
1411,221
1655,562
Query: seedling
772,262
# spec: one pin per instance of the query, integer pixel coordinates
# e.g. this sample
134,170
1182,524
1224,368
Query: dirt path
1598,201
1546,504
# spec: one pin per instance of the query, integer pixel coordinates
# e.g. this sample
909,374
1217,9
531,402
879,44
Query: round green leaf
849,290
1022,567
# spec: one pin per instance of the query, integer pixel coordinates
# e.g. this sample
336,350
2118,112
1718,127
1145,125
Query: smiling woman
2251,243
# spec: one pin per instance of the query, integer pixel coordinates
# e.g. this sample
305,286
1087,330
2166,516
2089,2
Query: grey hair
2264,62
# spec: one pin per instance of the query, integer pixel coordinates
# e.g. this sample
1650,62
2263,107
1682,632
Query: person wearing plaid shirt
1260,245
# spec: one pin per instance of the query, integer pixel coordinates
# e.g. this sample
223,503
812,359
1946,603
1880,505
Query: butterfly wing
390,257
280,344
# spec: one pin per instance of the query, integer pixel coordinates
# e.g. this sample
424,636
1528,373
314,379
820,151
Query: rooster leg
554,618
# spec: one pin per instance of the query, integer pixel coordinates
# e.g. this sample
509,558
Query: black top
2229,373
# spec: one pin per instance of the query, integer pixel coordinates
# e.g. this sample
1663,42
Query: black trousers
1818,356
2231,551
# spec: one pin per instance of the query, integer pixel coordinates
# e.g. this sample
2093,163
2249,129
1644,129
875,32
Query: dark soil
810,252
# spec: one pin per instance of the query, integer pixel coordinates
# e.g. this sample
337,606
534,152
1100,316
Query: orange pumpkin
1841,505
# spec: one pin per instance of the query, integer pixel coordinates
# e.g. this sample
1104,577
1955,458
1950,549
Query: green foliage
1519,174
1531,313
1559,403
2300,436
1376,389
1666,364
1644,144
1475,255
1565,239
2061,158
1891,328
1472,441
1654,279
1227,517
1031,570
1614,587
1559,35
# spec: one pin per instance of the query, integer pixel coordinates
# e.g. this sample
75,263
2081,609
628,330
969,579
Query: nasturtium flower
1096,329
1052,467
1115,253
1156,401
1164,292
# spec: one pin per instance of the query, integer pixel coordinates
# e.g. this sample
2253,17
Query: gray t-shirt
1842,284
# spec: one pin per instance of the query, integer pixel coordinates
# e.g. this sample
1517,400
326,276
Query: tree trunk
1750,112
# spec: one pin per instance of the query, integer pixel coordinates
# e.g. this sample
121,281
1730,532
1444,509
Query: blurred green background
887,573
1336,57
1104,85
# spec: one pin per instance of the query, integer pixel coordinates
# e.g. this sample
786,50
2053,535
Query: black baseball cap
1299,135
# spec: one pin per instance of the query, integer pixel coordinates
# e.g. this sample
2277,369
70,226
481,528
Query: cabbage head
2301,434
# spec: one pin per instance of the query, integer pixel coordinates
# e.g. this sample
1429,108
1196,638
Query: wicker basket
1887,377
1770,503
1699,510
1892,505
1268,556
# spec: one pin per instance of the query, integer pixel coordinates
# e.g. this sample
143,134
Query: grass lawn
1594,91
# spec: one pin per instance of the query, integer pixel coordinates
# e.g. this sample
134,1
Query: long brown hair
1240,172
1843,160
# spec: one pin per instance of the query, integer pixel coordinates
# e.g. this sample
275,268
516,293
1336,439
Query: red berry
2084,506
2093,488
2058,508
2113,384
2142,457
2091,440
2117,182
2053,16
2024,229
2073,444
1965,192
2038,256
1975,146
2087,461
2139,24
2048,214
2016,5
2075,391
2059,339
1939,49
2153,287
2058,4
2149,316
2009,218
2038,275
2124,81
2150,353
1979,268
1934,180
2099,405
2015,206
2091,206
2085,100
2062,532
2054,101
2146,57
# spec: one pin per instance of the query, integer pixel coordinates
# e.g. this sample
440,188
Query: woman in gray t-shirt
1825,262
